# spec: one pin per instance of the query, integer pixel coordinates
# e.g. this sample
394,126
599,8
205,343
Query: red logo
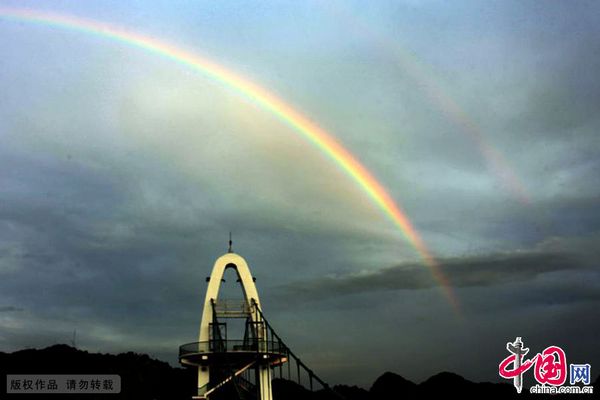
550,366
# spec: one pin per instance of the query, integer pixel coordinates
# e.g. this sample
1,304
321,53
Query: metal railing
231,308
293,358
232,346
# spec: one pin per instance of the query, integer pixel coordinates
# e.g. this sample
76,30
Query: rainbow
418,71
265,99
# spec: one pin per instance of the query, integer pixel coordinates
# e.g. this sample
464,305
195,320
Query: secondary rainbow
268,101
423,75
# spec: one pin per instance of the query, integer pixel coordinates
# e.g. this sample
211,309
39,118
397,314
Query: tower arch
221,360
237,262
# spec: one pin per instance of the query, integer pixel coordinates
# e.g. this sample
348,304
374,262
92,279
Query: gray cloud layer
478,271
10,309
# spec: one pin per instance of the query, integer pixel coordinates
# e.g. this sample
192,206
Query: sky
122,173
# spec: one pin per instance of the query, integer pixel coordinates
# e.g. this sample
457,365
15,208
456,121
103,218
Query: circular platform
232,352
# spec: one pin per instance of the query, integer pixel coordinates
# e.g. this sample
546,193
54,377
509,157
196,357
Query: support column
265,382
203,379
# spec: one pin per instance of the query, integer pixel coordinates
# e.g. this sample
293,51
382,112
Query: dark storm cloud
78,249
82,249
462,272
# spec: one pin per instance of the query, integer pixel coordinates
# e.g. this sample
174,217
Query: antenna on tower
74,340
230,243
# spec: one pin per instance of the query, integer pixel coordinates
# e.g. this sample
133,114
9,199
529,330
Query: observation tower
239,367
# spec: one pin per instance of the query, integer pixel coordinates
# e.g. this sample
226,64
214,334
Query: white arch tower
221,361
